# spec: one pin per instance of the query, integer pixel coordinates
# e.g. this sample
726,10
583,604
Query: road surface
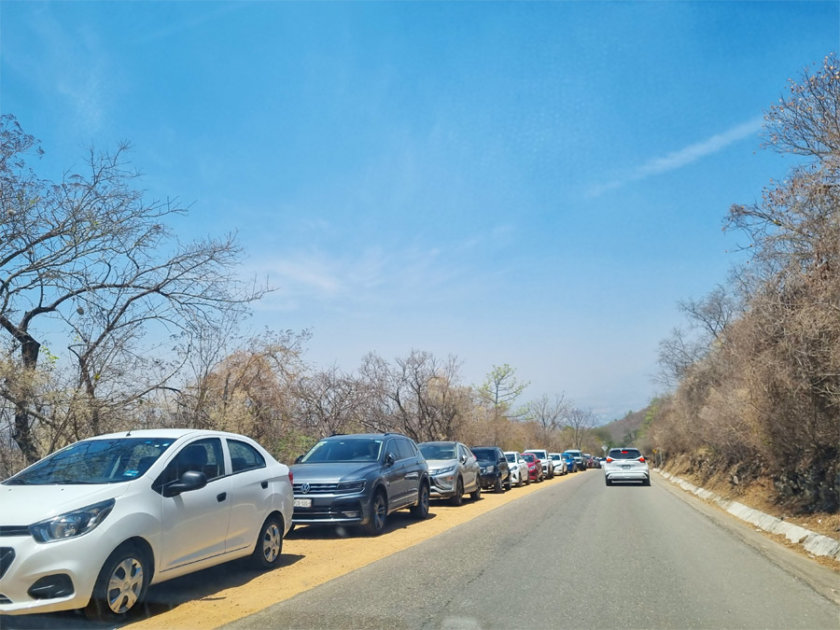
575,555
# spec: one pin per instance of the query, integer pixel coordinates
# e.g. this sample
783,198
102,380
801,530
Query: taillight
610,460
641,460
291,476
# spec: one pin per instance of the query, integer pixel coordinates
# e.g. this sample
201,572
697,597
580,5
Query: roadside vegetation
756,374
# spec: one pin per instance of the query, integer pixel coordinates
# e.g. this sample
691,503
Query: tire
269,544
508,484
421,510
458,497
607,481
519,482
121,584
378,514
528,479
497,485
475,495
646,482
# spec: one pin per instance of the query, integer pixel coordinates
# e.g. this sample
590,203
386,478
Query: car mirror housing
390,459
190,480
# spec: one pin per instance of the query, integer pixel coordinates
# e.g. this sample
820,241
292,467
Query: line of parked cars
94,524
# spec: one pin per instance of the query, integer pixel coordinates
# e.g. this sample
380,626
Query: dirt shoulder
311,556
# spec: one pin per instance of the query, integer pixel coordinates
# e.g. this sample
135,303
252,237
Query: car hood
334,472
441,463
25,505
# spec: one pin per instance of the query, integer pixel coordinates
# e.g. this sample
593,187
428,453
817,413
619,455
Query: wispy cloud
684,156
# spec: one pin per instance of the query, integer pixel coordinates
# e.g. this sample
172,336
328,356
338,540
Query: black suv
495,472
359,480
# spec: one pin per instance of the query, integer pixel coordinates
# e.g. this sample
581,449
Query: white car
626,464
560,467
95,523
518,468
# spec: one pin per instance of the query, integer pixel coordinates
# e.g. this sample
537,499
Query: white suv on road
626,464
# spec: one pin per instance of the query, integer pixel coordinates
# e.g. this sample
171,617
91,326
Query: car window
201,456
438,451
94,462
243,456
625,453
405,448
349,449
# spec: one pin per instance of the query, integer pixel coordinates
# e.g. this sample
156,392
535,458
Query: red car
535,471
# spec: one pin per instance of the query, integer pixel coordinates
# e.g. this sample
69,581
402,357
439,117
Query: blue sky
531,183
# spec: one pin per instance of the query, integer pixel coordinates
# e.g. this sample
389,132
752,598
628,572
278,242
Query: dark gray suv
359,480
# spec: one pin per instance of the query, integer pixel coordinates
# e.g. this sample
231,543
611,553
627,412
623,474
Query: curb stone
816,544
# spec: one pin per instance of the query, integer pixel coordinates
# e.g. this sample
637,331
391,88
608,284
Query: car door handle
221,497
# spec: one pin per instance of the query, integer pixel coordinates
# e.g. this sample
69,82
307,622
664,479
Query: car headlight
487,469
71,524
443,471
351,486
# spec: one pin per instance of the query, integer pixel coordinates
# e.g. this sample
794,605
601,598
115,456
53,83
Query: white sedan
94,524
518,468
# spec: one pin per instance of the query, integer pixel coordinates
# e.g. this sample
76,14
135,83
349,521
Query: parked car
495,472
359,480
518,468
95,523
626,464
569,460
580,464
545,461
453,470
535,470
560,467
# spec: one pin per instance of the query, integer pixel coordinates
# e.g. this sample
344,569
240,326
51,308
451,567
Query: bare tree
548,412
91,259
580,421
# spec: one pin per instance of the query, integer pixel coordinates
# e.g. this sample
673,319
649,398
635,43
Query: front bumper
332,509
442,486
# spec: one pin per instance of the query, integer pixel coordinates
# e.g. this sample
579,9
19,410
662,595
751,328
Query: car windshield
438,451
485,454
344,450
94,462
511,457
627,453
529,457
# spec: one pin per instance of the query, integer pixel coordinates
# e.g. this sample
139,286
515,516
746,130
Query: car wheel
458,497
269,543
378,514
646,482
528,479
121,584
475,495
508,485
421,510
497,485
607,481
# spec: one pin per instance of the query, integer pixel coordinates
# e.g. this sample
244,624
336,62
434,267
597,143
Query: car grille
7,554
327,488
14,530
315,488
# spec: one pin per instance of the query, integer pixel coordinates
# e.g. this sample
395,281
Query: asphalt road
576,555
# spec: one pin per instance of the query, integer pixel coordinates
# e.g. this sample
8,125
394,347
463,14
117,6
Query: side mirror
298,459
190,480
390,459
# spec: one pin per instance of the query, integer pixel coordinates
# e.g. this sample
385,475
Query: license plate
303,503
627,467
